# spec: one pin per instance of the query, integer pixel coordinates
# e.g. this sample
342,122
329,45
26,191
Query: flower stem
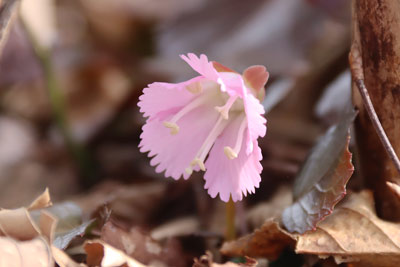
58,105
230,233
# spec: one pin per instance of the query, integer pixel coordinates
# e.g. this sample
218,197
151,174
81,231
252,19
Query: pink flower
217,114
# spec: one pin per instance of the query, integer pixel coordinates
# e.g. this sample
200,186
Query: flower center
232,104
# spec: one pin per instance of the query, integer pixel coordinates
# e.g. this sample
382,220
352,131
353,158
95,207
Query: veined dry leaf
35,252
101,254
207,261
321,183
267,242
353,233
42,201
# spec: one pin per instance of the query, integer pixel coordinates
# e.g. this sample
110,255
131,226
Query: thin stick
230,233
358,77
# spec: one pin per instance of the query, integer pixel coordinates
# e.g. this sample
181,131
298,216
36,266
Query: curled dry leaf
353,233
104,255
321,183
267,242
207,261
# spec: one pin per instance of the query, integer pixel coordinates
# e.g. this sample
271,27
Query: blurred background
102,53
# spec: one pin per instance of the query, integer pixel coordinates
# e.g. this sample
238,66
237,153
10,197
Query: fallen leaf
35,252
268,242
395,188
142,247
134,203
207,261
101,254
353,233
63,239
321,183
43,201
63,260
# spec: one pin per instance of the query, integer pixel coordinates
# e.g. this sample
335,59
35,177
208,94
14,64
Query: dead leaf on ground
35,252
26,242
134,203
353,233
101,254
207,261
321,183
395,188
142,247
268,242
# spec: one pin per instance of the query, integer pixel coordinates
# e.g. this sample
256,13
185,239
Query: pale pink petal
255,119
158,97
234,177
256,76
173,153
201,65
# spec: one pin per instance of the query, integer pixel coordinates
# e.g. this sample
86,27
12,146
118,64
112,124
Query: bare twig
358,77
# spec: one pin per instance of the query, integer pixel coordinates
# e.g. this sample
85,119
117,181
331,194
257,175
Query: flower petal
173,153
158,97
232,177
201,65
255,119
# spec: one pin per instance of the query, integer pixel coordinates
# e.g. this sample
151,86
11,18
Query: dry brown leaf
267,242
41,202
207,261
395,188
35,252
353,233
142,247
18,224
101,254
321,182
63,260
134,203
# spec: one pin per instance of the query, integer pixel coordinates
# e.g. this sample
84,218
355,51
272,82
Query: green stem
230,233
58,105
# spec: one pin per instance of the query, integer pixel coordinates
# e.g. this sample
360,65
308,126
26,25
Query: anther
230,153
199,162
172,126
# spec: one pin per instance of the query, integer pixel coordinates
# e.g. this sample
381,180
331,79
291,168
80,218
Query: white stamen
173,126
232,153
194,88
224,110
208,143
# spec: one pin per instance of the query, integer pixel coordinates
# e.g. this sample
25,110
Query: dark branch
358,77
